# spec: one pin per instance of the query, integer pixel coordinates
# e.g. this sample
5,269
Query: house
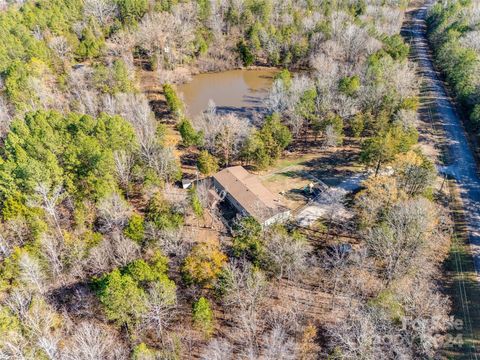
245,192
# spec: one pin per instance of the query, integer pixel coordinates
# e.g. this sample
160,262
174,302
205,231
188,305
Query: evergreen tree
207,164
195,202
123,300
132,10
247,240
135,229
349,85
382,148
203,316
162,214
174,103
190,137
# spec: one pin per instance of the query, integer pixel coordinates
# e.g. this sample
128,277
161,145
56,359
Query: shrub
410,103
285,76
9,323
143,352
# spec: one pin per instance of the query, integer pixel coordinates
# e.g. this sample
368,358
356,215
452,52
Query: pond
240,91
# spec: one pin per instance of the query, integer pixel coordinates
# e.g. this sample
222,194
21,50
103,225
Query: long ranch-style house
245,192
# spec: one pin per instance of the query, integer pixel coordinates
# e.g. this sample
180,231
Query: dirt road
461,162
460,165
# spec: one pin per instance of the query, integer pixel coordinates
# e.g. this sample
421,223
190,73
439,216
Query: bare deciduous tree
14,232
380,193
426,316
91,342
14,346
332,138
408,119
81,95
5,117
50,346
135,109
49,199
244,293
278,345
124,162
116,251
397,243
31,274
160,312
224,135
53,249
102,10
172,242
169,35
414,173
470,40
165,164
286,255
61,47
336,261
218,349
364,334
113,213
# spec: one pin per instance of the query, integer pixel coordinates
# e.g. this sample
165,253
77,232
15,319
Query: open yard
296,171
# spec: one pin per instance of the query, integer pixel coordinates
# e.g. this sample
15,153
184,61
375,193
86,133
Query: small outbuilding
249,196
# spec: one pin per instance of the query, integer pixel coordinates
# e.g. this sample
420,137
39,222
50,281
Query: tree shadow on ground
77,300
330,168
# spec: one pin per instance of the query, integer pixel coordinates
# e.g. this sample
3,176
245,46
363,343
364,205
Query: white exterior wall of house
229,197
278,218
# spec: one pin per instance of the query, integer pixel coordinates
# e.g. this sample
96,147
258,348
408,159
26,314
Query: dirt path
459,165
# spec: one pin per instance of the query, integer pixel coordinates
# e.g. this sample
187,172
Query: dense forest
98,255
454,32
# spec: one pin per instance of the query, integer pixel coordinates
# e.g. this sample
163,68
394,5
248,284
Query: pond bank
241,91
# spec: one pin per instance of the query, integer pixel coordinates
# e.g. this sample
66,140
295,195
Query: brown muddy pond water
239,91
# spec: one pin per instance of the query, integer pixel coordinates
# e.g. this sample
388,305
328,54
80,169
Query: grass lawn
291,174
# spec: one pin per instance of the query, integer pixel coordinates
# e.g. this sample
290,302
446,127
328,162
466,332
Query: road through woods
461,161
460,165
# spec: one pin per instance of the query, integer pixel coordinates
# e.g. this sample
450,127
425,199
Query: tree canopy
74,152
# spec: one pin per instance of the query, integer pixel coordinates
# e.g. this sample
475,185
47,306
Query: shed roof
250,193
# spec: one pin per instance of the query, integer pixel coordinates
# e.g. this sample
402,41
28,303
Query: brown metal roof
249,192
